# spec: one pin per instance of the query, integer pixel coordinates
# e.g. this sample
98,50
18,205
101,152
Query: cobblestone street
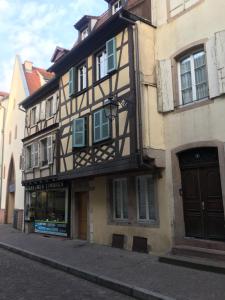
23,279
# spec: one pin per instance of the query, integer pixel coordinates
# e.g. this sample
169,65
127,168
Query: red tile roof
33,78
4,94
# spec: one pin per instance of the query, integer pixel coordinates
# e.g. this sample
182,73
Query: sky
33,29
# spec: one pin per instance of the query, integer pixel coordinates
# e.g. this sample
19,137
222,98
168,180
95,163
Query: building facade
109,171
191,99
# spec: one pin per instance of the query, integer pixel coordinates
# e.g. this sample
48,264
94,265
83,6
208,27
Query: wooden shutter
35,154
32,156
22,160
38,113
42,114
111,55
50,149
220,57
176,6
71,81
54,104
78,132
213,80
165,86
97,126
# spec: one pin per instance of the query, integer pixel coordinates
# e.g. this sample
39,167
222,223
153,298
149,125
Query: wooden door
202,195
10,208
82,215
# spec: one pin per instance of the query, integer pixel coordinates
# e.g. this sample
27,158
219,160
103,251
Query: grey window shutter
50,149
38,112
220,58
111,55
165,86
54,104
42,114
71,81
78,133
97,126
213,80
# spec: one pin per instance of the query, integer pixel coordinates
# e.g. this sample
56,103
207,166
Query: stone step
205,253
200,243
194,263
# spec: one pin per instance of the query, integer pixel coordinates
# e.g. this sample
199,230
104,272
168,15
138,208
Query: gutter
137,87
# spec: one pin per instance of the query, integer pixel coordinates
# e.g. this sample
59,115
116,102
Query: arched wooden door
202,194
10,204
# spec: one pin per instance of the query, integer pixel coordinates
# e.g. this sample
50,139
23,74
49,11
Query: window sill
194,104
103,142
49,118
104,78
78,93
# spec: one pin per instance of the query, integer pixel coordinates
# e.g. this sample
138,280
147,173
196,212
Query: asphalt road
24,279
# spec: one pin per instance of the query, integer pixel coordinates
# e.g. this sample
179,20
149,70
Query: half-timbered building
109,167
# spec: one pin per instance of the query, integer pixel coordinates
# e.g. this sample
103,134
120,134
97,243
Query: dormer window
84,33
116,6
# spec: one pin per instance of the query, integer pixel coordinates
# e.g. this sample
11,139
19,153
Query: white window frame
84,33
193,79
41,152
182,7
99,74
33,121
120,181
82,77
147,219
116,6
101,111
48,114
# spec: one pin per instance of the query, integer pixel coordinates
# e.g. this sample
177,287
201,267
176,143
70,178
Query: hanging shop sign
54,228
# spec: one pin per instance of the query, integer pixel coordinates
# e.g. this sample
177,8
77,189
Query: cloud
33,29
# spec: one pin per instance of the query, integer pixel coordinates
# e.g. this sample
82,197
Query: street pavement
139,270
24,279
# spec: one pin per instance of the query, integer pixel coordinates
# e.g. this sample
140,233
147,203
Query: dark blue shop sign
53,228
45,186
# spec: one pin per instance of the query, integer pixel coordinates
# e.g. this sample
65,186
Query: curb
192,264
123,288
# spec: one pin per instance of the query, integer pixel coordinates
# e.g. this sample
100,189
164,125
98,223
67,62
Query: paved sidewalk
141,271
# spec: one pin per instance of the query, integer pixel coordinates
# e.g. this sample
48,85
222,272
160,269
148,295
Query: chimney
28,66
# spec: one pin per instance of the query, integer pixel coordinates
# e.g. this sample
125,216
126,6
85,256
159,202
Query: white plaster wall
15,117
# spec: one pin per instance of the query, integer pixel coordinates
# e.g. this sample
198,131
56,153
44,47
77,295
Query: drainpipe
3,144
137,87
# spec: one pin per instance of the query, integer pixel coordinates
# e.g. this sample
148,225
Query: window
33,116
46,151
79,133
29,157
101,126
101,64
84,33
120,199
145,188
193,78
82,77
116,6
49,108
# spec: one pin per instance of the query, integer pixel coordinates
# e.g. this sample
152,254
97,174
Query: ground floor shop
46,208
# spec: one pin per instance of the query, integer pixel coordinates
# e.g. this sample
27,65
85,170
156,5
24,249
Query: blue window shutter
111,55
71,81
101,126
97,126
78,133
